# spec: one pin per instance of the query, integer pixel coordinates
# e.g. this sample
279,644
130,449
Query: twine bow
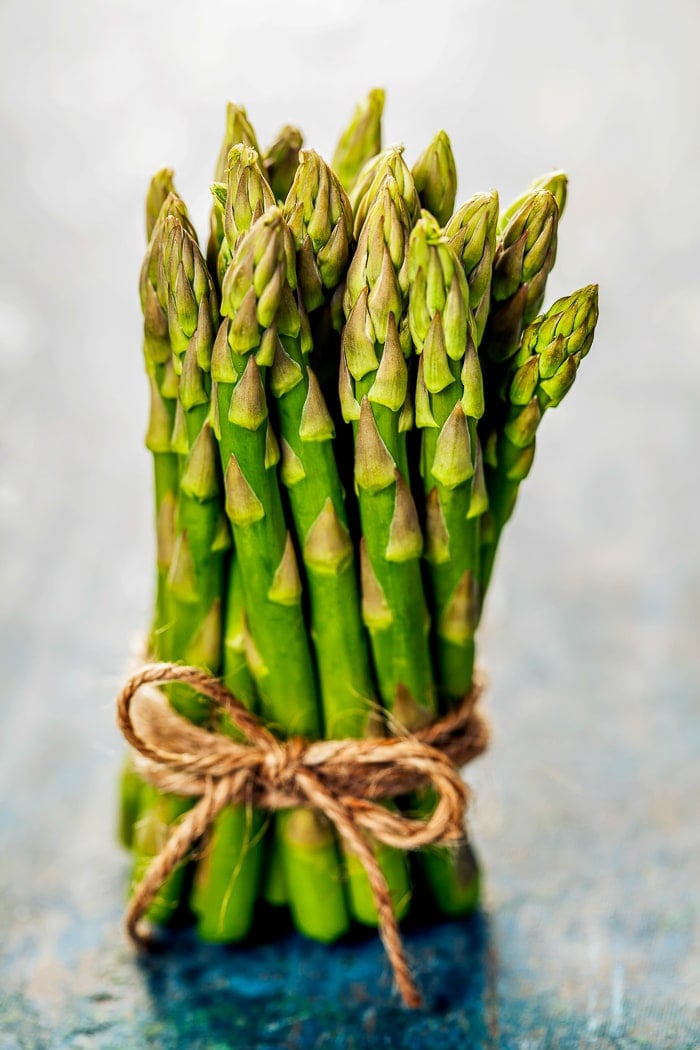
344,779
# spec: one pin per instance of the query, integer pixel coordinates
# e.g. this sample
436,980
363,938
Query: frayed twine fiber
344,779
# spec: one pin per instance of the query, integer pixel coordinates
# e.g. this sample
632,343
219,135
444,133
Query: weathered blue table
585,811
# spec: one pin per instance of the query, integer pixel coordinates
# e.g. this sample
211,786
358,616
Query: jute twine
344,779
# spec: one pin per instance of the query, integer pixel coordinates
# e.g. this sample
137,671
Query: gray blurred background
586,808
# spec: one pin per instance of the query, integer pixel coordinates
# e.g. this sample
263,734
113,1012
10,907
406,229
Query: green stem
275,887
130,792
228,872
395,613
317,502
279,655
318,508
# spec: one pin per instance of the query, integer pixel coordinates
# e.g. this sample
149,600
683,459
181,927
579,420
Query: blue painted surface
585,810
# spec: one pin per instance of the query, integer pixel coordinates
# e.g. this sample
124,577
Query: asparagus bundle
344,401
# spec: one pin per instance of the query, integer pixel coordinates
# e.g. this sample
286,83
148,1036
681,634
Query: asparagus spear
229,867
320,219
239,131
160,197
374,392
236,674
543,370
449,401
197,571
195,579
320,222
258,308
435,176
361,139
524,256
227,877
281,159
472,235
159,188
163,383
197,575
365,190
554,181
274,888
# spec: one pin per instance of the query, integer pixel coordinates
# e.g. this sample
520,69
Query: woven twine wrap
344,779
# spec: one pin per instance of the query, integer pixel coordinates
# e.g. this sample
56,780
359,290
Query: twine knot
345,779
282,763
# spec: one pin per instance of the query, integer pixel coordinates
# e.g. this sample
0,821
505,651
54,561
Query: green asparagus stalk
387,167
259,308
389,163
158,441
318,212
239,131
163,383
226,882
361,140
472,235
542,372
229,868
435,177
452,875
449,401
321,222
236,674
374,393
130,798
197,571
195,579
281,159
554,181
274,889
137,800
199,566
524,256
